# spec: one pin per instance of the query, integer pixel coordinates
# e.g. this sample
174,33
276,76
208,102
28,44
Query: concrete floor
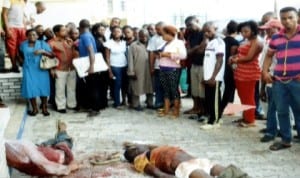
106,133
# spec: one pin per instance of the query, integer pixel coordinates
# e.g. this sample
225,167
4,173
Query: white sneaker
210,126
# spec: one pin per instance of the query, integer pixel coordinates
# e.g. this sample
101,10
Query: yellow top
140,162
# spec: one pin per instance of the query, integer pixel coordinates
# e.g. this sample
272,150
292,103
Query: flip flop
246,125
238,120
279,146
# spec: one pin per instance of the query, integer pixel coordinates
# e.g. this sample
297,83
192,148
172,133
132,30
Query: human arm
107,56
131,58
266,76
4,15
255,49
152,61
91,52
217,68
179,53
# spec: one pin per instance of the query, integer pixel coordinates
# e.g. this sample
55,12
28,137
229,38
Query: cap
273,23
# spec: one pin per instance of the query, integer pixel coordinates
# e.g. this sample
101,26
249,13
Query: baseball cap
273,23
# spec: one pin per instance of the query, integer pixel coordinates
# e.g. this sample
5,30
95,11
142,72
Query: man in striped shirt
286,80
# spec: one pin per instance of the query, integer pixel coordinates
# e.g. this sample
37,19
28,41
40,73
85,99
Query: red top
247,71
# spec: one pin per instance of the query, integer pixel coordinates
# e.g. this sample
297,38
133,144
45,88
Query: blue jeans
258,109
159,94
272,124
2,54
286,94
119,73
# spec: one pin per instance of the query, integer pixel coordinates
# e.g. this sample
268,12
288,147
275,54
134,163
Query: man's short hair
159,24
84,23
288,9
190,18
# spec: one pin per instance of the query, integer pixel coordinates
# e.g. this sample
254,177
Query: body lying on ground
171,162
53,157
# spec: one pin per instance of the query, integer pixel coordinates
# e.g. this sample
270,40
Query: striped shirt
247,71
287,54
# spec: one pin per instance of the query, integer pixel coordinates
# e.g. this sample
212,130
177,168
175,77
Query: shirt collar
282,31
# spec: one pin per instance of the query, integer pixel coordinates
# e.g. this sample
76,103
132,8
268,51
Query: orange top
162,157
247,71
64,53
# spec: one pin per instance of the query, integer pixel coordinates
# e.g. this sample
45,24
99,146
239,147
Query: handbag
82,64
47,62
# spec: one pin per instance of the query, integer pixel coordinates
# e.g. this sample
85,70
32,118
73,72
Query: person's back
86,39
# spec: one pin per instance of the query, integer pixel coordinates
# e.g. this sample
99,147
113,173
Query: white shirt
214,47
29,13
154,44
16,11
44,20
117,53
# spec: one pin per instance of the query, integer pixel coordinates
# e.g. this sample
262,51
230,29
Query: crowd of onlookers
259,60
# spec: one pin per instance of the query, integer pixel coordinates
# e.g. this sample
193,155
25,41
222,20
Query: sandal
32,113
45,113
246,125
279,146
238,120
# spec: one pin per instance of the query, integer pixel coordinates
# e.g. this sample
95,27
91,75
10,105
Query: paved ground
107,132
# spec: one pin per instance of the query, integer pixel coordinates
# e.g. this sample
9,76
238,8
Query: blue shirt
86,39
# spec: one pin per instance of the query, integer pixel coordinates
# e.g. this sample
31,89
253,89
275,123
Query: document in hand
82,64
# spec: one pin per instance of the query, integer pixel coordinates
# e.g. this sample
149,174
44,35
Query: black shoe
45,113
3,71
15,70
32,113
260,117
263,130
266,138
93,113
62,111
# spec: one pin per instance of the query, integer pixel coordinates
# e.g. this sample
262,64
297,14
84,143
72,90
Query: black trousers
92,91
229,91
213,102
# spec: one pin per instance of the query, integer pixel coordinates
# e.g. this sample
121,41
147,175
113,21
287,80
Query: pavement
106,133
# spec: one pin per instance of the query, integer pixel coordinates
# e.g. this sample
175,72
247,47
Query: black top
229,42
194,39
100,47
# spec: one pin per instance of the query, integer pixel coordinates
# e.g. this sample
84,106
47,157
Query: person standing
139,72
247,70
213,73
98,31
231,49
196,47
87,47
171,53
272,27
154,44
14,27
35,81
116,59
64,74
286,46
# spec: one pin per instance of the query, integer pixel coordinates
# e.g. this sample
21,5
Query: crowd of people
149,60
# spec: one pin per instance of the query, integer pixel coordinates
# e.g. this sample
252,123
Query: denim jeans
258,109
119,73
272,124
159,94
2,54
286,94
